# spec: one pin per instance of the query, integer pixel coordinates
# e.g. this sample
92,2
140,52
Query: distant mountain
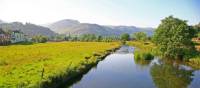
131,29
62,25
28,29
85,28
68,26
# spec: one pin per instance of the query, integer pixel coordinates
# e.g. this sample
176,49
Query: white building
17,36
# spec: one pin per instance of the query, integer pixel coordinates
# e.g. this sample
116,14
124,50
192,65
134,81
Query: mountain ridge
69,26
28,29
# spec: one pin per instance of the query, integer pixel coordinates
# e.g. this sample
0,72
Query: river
120,70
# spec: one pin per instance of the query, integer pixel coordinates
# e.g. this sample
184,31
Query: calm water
120,70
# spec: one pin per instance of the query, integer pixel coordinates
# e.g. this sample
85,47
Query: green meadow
30,66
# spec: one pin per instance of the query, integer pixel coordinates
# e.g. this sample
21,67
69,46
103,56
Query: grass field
30,65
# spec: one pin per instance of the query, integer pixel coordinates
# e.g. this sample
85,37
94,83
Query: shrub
141,55
195,62
40,39
125,37
142,36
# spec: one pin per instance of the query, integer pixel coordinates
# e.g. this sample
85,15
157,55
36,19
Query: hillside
63,25
75,27
28,29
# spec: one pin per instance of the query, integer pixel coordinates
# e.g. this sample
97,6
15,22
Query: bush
148,56
125,37
142,36
195,62
40,39
141,55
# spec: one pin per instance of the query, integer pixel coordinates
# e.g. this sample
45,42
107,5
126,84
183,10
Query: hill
28,28
74,27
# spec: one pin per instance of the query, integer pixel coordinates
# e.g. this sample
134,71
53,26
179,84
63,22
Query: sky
141,13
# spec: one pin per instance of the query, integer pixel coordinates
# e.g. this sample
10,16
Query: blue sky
142,13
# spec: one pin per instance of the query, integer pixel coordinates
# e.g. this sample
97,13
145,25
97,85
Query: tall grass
195,62
142,55
30,66
145,46
144,51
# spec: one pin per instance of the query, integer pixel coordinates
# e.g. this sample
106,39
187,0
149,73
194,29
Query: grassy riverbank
195,61
144,50
148,47
46,64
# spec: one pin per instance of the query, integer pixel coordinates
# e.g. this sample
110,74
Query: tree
88,37
125,37
197,30
43,39
99,38
140,36
40,39
173,37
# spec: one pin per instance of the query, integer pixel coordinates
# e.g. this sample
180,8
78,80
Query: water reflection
125,50
171,75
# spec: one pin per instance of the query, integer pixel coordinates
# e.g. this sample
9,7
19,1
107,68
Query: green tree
43,39
197,30
140,36
88,37
40,39
99,38
173,37
125,37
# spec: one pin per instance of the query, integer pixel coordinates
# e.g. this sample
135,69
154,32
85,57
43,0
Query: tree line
98,38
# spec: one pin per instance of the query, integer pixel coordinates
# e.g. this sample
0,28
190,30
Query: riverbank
146,46
49,64
121,70
151,48
144,50
83,68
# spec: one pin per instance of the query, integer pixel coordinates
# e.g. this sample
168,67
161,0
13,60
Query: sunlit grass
147,47
195,62
142,45
22,65
142,55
